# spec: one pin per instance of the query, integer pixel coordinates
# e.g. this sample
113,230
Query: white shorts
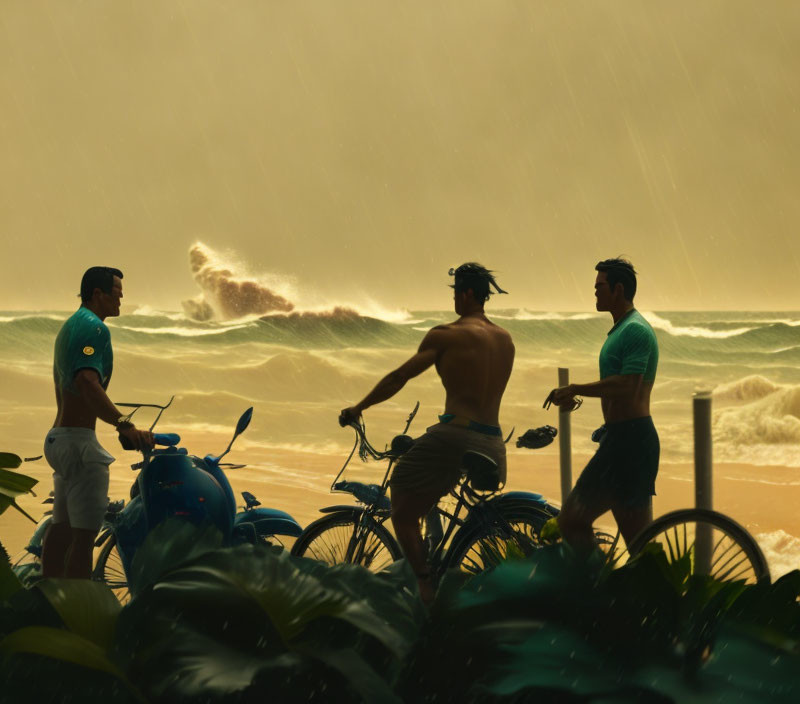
80,477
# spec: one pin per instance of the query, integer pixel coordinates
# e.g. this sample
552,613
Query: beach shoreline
762,499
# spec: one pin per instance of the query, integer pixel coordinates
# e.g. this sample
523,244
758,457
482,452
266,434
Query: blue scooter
174,484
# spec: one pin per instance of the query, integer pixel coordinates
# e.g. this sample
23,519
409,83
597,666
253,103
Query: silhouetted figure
81,371
473,357
621,475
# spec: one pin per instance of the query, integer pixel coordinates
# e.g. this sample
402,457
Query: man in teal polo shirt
621,475
81,371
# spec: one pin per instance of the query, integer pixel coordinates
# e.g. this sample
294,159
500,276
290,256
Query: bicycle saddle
537,437
482,471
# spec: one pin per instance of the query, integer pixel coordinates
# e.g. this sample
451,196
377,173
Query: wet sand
762,499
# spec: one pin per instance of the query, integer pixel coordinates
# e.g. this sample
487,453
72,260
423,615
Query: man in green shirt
81,371
621,475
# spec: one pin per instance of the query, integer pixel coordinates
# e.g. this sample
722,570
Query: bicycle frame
480,508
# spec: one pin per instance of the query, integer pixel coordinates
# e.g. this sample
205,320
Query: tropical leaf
190,667
8,460
13,484
739,668
28,679
27,607
771,609
169,545
263,607
58,644
549,659
9,583
551,531
88,609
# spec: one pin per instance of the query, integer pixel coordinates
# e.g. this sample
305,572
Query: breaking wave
667,326
751,388
773,419
227,294
782,551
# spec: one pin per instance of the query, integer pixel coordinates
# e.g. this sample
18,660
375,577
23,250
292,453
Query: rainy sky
359,148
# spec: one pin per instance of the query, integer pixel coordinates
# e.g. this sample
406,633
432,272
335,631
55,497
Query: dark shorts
624,468
434,464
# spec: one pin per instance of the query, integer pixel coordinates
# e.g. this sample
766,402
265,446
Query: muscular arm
94,395
396,380
616,386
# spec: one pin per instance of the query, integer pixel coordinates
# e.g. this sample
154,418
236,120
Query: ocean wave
149,312
692,330
773,419
179,331
26,317
782,551
751,388
524,314
227,291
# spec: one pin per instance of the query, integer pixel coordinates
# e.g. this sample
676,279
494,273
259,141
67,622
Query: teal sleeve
636,350
87,350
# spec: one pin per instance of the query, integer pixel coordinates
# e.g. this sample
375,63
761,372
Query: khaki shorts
434,464
80,477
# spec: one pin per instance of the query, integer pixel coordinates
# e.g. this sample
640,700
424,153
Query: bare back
474,360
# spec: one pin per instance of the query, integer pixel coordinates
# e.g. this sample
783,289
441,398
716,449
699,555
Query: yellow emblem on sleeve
88,351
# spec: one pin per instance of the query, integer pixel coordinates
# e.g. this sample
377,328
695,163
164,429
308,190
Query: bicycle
494,525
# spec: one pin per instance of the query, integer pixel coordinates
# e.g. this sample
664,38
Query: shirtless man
81,371
473,357
621,475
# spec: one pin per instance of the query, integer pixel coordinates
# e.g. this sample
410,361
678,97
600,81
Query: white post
564,441
702,477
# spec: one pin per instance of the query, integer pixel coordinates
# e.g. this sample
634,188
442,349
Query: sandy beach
299,482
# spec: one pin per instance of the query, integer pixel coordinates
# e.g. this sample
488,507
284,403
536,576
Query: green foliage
8,460
13,484
60,634
168,545
251,624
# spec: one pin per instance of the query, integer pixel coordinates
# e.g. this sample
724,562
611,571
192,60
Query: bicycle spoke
685,540
725,576
513,535
724,552
738,552
349,542
673,556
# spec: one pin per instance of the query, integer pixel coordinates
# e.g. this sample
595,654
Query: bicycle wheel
710,542
340,538
109,569
512,532
612,546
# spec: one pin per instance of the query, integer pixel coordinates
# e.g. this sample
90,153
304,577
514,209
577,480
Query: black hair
619,271
476,277
101,277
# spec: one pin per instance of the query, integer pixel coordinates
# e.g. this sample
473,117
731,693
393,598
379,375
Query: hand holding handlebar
349,415
564,397
132,438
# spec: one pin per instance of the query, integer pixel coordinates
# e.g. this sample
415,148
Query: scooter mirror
244,421
241,426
